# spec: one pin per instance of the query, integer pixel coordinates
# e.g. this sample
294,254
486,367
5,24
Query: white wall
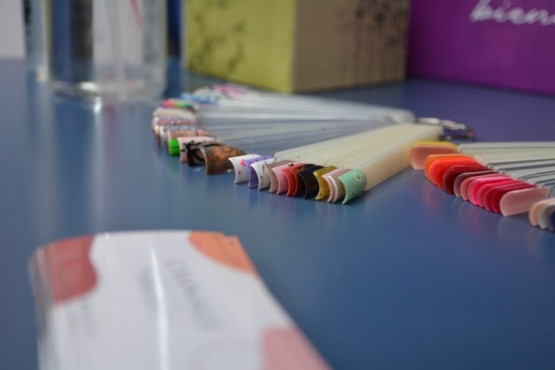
11,29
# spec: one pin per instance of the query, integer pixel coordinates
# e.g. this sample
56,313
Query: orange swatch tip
422,150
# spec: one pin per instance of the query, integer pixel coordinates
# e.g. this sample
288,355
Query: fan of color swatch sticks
508,178
306,146
333,150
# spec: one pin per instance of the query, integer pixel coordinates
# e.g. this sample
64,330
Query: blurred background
308,45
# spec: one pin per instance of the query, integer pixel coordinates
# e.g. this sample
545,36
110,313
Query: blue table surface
405,277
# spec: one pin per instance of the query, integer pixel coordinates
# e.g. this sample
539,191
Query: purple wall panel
495,42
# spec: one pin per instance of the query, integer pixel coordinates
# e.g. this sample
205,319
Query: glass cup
35,38
107,50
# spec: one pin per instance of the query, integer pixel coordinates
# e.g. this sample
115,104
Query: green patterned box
297,45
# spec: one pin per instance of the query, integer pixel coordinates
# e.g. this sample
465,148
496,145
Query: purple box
508,43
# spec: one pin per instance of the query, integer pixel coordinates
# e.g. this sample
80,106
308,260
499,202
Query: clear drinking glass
35,37
107,50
